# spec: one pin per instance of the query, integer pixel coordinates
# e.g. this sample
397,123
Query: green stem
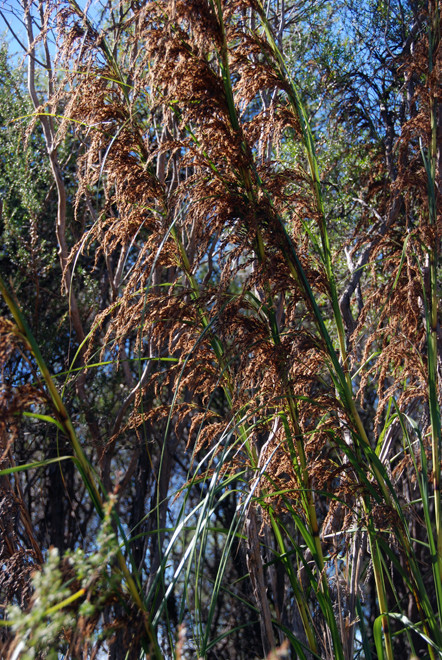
300,599
436,436
380,590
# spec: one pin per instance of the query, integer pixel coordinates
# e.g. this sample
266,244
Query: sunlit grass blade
35,465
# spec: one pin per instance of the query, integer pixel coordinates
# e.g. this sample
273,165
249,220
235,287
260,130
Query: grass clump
257,386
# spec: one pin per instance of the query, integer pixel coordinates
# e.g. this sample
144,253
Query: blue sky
11,18
11,13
